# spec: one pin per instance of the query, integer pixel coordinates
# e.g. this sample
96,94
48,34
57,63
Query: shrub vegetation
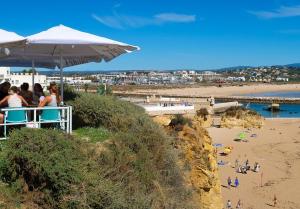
239,112
132,165
179,121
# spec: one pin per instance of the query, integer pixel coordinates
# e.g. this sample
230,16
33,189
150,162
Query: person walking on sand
275,201
239,205
236,182
257,168
229,182
228,205
236,164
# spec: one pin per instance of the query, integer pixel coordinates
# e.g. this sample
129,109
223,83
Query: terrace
36,117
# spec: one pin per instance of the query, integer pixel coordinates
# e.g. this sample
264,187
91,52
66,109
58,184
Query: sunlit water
287,110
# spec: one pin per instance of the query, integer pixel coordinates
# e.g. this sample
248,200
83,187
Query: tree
31,70
86,87
103,89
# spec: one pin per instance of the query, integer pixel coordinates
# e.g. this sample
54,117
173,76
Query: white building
242,79
210,76
69,80
282,79
16,79
4,74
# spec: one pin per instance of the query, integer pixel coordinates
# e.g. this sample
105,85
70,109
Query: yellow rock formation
198,162
243,119
202,174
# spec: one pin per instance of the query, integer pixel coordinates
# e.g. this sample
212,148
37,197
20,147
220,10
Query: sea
287,110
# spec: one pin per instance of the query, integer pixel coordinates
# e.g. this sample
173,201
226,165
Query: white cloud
281,12
108,21
173,17
124,21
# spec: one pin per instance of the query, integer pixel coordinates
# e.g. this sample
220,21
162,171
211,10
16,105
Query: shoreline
276,148
282,118
219,91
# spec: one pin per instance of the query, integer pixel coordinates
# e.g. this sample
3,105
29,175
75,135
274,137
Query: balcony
35,117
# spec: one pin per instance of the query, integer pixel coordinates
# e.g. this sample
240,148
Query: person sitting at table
53,99
26,94
13,100
4,87
38,95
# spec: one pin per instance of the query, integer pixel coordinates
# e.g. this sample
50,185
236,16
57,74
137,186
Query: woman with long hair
26,94
53,99
38,95
4,88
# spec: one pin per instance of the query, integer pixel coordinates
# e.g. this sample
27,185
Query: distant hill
293,65
234,68
89,72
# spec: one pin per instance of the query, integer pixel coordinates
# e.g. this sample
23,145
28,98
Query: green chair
14,116
50,116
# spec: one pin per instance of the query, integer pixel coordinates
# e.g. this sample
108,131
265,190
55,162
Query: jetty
155,106
241,99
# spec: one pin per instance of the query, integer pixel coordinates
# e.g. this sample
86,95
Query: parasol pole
61,78
33,74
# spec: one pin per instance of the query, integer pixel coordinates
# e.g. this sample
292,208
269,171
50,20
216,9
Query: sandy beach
221,91
277,149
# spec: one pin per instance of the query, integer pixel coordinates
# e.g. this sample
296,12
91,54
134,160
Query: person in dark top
26,94
4,87
38,94
229,182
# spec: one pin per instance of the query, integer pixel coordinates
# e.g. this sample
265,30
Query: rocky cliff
198,162
240,117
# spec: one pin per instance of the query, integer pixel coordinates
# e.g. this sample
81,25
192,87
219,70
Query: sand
277,149
223,91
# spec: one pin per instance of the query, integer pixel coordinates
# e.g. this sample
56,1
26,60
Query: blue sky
172,34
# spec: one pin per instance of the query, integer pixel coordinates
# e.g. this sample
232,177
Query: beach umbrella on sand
62,47
217,145
242,136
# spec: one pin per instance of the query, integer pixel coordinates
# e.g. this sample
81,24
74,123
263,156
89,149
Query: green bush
93,110
58,170
203,112
179,121
239,112
44,159
133,166
69,93
102,90
139,153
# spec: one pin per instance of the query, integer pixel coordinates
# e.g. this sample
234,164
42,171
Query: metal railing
64,120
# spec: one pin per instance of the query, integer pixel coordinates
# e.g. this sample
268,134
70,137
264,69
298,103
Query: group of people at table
14,97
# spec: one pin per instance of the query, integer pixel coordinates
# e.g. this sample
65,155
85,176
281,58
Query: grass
93,135
8,197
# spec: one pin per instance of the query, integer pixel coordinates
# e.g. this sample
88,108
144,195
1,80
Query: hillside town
281,74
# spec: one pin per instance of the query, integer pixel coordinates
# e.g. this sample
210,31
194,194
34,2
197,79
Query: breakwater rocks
264,100
243,99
